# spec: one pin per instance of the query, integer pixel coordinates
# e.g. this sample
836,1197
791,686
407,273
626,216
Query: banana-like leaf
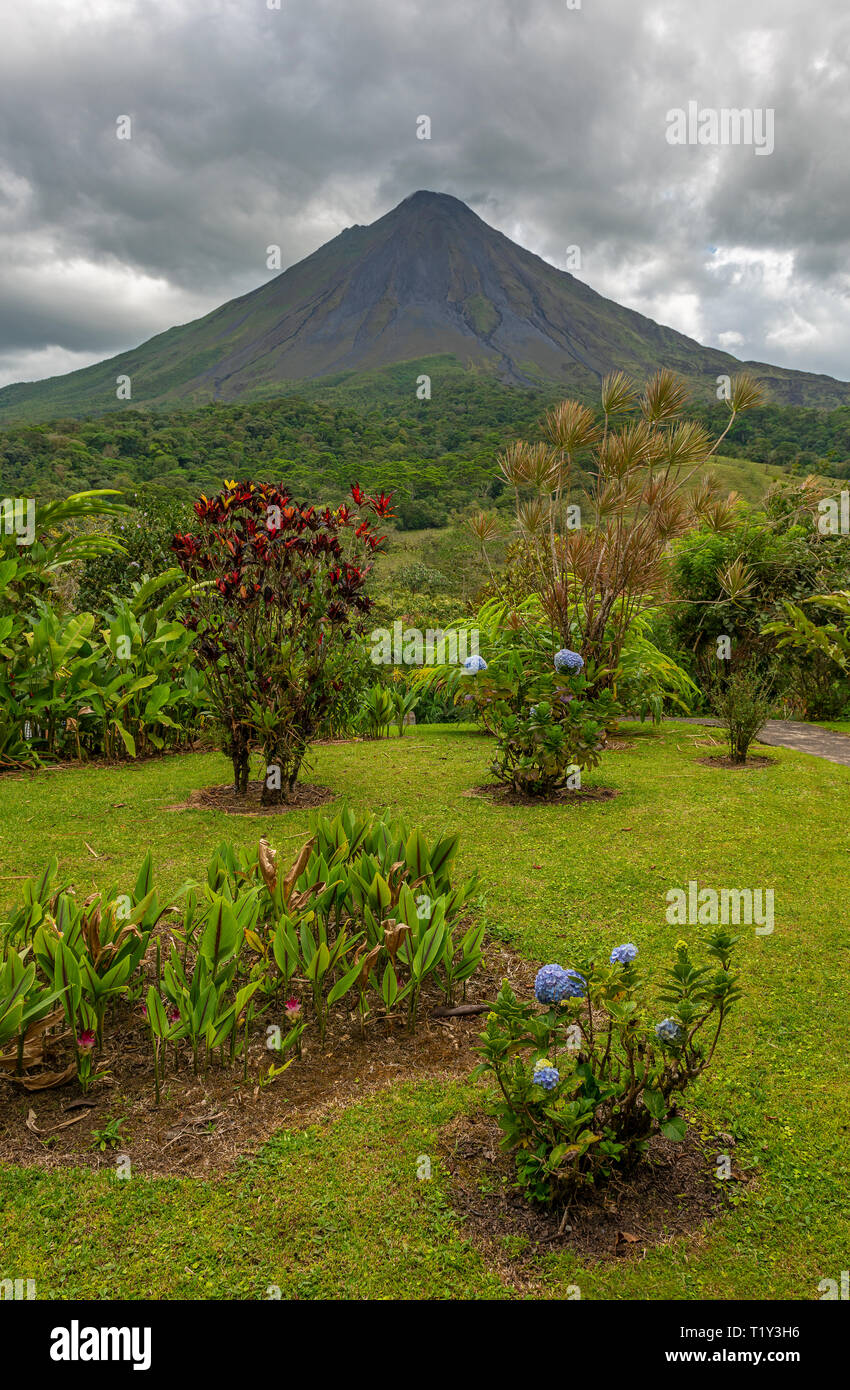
416,855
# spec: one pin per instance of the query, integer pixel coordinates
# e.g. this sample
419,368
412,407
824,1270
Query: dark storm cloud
254,126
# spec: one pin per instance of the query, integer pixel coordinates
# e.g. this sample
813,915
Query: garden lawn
336,1210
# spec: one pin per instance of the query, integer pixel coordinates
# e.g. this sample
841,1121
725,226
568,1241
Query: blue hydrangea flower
576,985
553,983
550,984
565,660
547,1077
669,1032
475,664
624,955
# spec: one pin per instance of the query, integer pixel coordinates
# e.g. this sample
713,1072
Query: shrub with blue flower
619,1079
553,983
474,664
543,738
624,955
565,660
669,1032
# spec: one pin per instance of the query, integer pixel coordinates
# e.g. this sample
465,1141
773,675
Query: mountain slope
429,279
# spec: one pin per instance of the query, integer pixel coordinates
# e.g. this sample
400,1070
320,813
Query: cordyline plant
588,1072
281,595
638,465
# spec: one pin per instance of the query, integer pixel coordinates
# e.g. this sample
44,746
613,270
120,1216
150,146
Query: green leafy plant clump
590,1071
365,917
548,724
548,728
116,683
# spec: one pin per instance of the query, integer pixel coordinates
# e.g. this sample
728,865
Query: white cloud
43,362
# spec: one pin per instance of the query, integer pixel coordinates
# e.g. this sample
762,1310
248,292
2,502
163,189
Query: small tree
596,558
742,702
280,597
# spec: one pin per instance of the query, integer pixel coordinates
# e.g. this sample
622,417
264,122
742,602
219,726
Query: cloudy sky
253,125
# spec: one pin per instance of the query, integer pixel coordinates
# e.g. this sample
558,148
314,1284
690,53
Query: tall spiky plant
645,489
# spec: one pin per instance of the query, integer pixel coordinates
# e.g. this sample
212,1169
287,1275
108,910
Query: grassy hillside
752,480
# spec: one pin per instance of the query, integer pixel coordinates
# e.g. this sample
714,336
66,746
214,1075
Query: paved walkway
789,733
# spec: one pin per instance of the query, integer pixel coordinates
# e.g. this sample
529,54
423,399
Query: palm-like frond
619,395
57,542
571,427
513,463
484,526
746,393
665,396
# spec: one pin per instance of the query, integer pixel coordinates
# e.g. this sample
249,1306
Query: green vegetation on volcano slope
437,455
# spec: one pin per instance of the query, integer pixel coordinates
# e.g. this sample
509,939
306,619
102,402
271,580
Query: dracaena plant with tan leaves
641,467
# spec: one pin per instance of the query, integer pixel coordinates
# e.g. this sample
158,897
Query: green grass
336,1210
752,480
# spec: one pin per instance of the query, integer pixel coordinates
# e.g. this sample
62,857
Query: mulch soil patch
671,1193
204,1124
306,795
506,796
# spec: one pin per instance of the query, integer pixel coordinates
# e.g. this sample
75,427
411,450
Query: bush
436,708
343,715
422,579
590,1071
819,652
530,692
280,598
743,703
146,533
546,746
377,711
420,514
547,727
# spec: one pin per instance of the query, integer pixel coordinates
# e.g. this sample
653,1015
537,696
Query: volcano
430,280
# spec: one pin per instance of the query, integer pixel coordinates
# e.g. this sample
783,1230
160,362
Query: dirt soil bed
204,1124
306,794
506,796
753,763
672,1193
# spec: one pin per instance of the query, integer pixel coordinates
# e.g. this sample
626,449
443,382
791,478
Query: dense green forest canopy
437,455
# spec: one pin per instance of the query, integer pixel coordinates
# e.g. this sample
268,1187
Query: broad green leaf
416,855
675,1128
343,985
126,737
157,1018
